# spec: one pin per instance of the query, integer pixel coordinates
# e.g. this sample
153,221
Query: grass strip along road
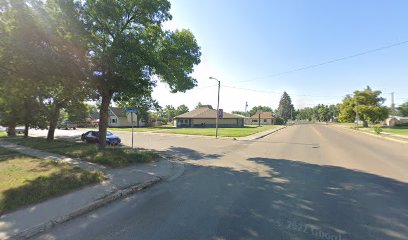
398,130
111,156
26,180
222,132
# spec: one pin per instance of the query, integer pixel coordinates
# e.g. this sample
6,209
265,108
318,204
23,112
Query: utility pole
218,107
291,114
392,104
246,107
357,117
259,119
131,117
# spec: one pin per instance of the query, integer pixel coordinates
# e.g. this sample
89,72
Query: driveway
304,182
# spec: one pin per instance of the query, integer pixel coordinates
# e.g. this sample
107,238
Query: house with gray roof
263,118
118,117
205,116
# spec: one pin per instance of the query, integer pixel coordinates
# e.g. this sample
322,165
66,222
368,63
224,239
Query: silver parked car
67,125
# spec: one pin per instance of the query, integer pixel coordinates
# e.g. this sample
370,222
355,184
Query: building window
113,120
254,120
265,120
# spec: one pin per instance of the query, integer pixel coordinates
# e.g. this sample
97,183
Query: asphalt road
304,182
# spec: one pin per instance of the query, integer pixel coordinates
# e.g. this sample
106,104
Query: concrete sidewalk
121,182
75,162
260,134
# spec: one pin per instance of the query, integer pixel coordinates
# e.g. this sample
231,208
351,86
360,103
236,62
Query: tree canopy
403,109
368,105
128,49
42,60
256,109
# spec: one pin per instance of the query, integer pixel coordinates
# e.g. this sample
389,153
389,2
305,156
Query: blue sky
245,40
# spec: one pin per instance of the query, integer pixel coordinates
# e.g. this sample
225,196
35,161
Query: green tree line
56,54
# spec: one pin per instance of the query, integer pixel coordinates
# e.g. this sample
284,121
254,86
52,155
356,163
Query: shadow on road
191,154
294,200
307,201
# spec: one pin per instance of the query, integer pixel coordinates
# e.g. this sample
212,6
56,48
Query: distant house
205,116
247,120
118,117
396,120
94,119
265,118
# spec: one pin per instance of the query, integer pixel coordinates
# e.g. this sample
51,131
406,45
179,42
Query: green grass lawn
111,156
3,134
222,132
26,180
400,130
141,129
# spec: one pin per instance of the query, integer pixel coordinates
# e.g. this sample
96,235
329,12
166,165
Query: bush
378,130
280,121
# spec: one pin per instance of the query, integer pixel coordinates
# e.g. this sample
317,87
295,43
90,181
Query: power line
206,86
328,62
279,93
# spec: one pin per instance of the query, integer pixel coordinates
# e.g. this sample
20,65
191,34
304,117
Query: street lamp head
214,78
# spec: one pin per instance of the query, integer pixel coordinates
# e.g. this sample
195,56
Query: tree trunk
103,119
26,128
11,130
137,120
365,124
55,112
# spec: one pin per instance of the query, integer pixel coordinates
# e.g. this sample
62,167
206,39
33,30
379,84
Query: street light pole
218,107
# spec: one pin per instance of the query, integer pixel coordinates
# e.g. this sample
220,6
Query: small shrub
378,130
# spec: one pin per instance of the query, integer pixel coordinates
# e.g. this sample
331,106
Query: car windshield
109,133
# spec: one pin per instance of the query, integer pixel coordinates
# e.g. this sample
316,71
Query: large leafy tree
129,47
285,109
368,105
182,109
323,113
67,84
78,112
19,73
42,57
306,113
199,104
333,111
403,109
168,113
143,104
256,109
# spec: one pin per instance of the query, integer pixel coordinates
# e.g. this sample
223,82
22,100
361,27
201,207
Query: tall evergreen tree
286,109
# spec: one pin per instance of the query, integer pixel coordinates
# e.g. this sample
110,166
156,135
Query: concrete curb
28,233
249,138
269,133
197,136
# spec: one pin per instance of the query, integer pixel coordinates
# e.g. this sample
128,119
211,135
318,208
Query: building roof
94,116
399,118
263,115
206,112
119,112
